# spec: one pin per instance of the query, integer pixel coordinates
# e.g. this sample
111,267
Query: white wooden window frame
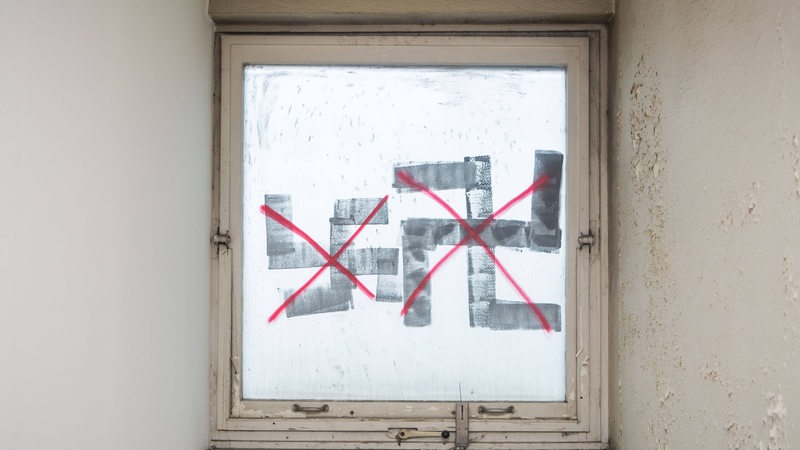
578,423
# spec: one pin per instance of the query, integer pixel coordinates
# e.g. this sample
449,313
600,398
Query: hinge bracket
586,240
221,239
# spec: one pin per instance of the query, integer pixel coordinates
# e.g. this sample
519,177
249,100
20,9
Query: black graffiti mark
515,316
320,300
285,253
421,235
546,203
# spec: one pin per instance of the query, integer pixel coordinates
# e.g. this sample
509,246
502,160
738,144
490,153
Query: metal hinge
221,239
586,240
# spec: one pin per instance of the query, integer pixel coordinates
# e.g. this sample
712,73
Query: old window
409,242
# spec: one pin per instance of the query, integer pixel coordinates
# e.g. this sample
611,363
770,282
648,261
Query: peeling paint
791,289
741,434
238,408
791,284
645,122
647,164
741,207
661,358
705,177
773,421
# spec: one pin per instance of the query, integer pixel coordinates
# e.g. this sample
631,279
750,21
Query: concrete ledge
411,12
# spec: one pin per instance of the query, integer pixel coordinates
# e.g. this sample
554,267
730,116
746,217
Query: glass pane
411,219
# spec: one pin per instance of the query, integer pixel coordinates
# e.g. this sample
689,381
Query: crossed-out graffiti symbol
473,234
479,232
331,260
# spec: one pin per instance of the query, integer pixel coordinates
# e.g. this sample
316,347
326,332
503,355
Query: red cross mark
474,234
331,260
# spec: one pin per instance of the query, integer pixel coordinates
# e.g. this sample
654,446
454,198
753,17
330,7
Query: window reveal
406,229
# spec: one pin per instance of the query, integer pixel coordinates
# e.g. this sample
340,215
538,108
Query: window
410,235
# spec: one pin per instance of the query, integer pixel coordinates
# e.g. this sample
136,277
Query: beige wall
705,191
105,113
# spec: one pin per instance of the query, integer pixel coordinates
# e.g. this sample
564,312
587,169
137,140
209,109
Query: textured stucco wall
705,248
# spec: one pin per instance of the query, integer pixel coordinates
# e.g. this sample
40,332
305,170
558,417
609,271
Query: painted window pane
402,233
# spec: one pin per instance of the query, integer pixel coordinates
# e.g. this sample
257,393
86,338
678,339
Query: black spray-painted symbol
480,232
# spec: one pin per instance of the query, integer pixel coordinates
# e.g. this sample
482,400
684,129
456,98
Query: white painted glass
322,147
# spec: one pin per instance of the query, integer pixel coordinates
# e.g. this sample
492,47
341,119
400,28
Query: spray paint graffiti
284,255
480,233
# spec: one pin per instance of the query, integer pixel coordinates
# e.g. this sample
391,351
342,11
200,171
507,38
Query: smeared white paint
774,421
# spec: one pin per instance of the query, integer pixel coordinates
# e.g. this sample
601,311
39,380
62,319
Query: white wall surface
705,191
105,135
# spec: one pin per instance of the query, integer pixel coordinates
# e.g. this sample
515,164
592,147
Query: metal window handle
485,410
411,433
310,409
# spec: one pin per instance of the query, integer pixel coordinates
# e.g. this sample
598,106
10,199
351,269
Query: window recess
410,241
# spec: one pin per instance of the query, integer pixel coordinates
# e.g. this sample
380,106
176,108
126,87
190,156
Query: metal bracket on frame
462,430
221,239
462,426
586,240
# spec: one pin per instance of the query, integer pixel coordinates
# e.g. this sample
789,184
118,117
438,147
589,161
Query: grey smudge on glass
320,300
339,235
546,202
390,289
280,240
519,316
354,211
438,176
481,281
415,267
479,192
500,233
481,286
303,256
360,261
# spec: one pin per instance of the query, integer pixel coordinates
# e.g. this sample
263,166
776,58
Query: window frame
578,423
